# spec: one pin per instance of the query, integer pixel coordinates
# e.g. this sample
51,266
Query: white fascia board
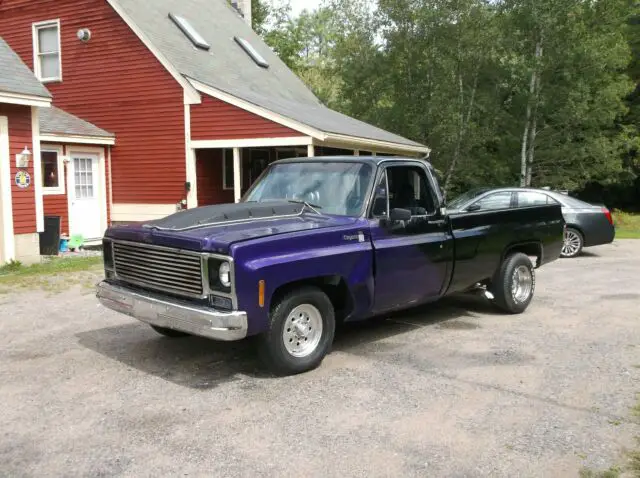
367,144
257,110
252,142
58,138
191,96
24,100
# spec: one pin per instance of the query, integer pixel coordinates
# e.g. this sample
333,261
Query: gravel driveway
447,390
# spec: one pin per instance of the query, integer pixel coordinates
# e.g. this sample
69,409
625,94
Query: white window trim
36,51
60,189
225,186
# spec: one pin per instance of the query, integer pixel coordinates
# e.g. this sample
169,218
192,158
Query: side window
494,201
409,189
530,198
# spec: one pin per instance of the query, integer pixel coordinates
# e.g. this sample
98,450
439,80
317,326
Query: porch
224,173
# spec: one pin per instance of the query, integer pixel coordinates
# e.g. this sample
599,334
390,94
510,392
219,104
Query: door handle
439,222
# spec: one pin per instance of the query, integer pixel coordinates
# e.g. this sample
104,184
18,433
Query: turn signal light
261,293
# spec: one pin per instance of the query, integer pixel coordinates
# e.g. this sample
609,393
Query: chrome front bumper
162,312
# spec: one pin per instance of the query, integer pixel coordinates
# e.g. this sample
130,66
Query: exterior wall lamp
22,159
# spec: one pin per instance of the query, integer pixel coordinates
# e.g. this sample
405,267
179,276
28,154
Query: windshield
463,198
336,187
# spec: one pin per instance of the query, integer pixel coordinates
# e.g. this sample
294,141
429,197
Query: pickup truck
319,241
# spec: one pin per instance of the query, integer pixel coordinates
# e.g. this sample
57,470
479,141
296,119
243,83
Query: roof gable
228,68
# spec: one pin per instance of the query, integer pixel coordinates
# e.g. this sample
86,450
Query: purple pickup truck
319,241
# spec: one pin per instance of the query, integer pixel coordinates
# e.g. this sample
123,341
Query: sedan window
491,202
532,198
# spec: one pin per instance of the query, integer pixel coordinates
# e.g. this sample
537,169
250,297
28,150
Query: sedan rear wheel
573,243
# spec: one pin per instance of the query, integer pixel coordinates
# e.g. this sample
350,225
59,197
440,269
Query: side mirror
473,207
398,214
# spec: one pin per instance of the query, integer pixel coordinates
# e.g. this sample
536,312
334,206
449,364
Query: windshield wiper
313,207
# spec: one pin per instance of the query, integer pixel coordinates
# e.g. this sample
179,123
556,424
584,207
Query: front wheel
573,243
514,284
302,326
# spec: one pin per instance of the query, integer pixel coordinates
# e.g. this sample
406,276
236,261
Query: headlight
219,271
224,274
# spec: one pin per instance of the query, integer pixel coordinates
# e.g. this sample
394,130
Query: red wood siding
215,119
23,200
209,171
56,205
115,82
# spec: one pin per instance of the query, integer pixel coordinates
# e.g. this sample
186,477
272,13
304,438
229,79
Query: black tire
174,334
501,286
576,239
272,347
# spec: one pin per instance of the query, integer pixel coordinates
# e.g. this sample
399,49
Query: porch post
237,175
311,151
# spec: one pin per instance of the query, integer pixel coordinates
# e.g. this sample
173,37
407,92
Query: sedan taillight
607,213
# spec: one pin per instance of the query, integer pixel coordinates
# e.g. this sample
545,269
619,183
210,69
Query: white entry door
84,213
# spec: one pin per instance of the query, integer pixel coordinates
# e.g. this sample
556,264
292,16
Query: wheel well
576,227
335,287
531,249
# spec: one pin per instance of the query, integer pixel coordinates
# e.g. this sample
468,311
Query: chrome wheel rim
571,244
521,283
302,330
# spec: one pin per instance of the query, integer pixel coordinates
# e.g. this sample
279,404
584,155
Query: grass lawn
627,225
54,275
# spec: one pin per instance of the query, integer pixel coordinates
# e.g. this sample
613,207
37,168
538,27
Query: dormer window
46,51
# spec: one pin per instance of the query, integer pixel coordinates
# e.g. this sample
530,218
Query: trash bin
50,238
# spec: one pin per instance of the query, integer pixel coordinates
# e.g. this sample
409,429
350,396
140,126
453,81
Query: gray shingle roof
56,121
228,68
16,77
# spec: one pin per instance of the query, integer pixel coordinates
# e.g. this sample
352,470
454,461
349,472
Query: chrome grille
159,268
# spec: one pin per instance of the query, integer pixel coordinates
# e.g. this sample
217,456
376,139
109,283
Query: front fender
319,256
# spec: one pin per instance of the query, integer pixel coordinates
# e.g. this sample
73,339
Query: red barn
162,102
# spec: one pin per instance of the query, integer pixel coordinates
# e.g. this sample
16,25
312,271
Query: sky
298,5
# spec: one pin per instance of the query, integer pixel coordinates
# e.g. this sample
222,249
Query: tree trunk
534,116
523,148
464,121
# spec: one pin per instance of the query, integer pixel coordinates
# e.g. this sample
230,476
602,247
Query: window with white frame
52,164
46,50
227,169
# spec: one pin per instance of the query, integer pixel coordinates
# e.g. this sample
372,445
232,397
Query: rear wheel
514,284
573,243
174,334
302,326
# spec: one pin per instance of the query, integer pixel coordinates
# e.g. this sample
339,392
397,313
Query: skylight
257,57
189,31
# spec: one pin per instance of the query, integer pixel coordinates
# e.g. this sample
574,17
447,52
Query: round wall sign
23,179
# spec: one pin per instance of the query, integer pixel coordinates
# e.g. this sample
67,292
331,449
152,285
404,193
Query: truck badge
359,237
